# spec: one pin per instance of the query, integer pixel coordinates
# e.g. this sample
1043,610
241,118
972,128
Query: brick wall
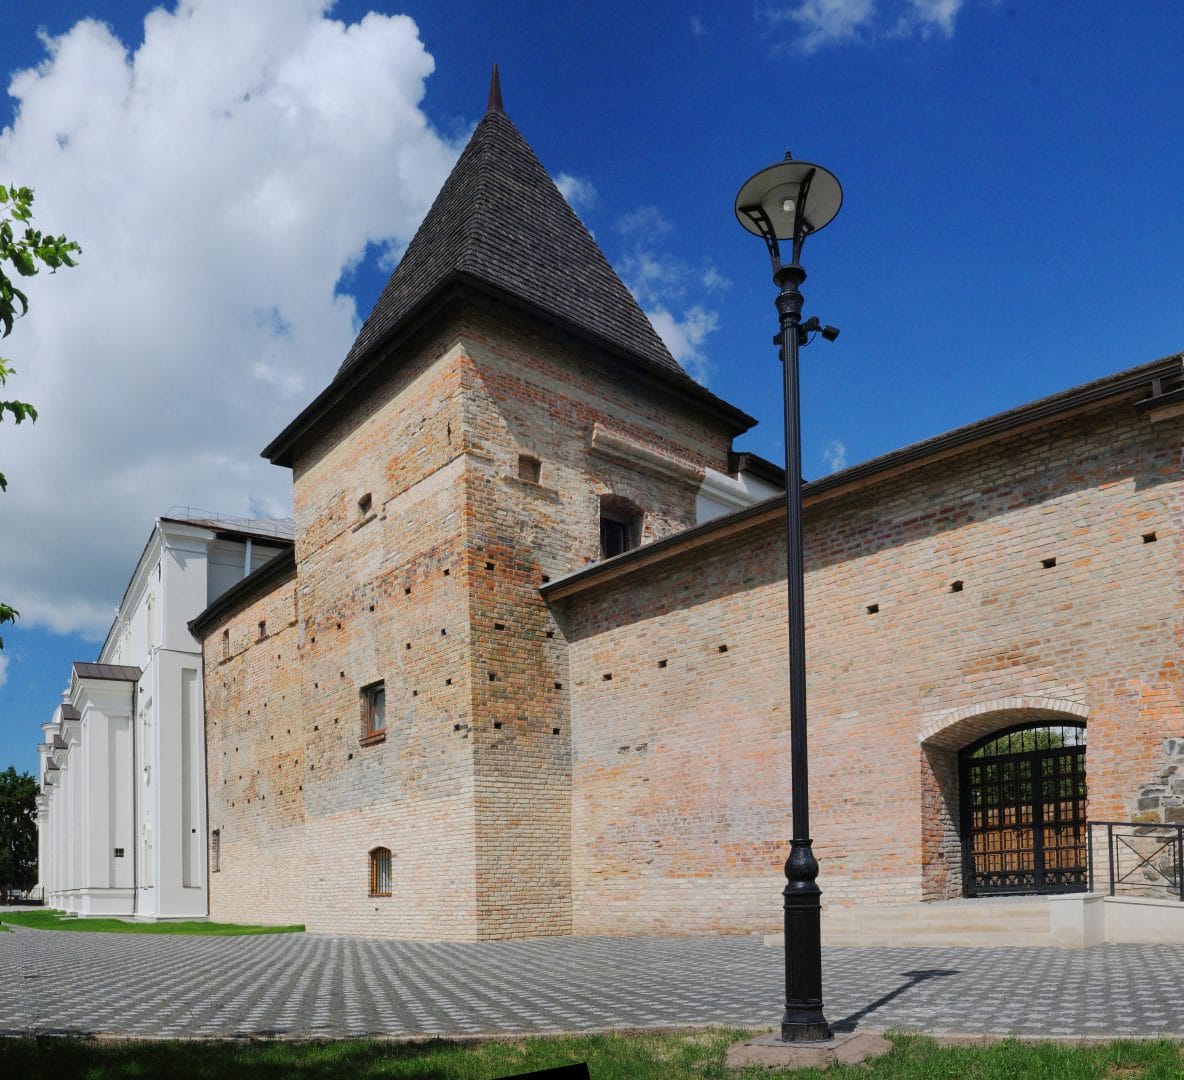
680,750
536,394
419,554
255,760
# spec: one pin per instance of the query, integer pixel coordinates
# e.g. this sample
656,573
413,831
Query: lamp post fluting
788,201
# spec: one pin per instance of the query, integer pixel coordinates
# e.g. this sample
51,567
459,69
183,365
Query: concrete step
1022,922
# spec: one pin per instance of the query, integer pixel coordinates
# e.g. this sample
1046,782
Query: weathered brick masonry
680,748
588,745
433,590
255,759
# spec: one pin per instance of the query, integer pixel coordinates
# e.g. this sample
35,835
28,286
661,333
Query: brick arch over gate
941,737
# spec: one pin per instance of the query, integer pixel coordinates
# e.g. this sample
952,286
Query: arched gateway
1022,801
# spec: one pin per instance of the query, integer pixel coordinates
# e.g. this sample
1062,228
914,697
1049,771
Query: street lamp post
788,201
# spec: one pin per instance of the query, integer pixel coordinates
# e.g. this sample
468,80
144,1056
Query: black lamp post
788,201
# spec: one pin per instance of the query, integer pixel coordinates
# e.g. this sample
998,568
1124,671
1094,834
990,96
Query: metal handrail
1157,863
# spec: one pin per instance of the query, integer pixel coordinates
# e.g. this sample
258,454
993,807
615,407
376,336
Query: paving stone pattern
305,985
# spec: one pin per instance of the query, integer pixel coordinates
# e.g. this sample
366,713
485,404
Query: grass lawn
46,919
682,1056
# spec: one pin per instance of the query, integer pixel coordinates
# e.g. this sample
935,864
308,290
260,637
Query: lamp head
788,201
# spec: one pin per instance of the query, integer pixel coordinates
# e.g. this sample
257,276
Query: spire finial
495,93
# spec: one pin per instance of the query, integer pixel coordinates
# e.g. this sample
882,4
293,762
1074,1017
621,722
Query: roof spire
495,93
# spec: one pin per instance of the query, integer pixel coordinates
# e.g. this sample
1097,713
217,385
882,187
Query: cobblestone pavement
298,984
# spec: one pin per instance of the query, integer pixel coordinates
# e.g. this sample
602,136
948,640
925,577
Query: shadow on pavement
915,978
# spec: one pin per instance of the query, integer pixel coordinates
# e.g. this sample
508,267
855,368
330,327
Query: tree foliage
18,830
24,252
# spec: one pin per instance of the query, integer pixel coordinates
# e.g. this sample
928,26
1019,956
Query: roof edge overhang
458,286
100,672
234,533
275,571
1136,385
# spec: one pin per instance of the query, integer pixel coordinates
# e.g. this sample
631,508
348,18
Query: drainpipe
135,837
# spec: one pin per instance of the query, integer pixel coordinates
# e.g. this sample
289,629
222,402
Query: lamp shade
775,194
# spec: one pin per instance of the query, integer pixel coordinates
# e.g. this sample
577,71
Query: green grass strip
46,919
668,1056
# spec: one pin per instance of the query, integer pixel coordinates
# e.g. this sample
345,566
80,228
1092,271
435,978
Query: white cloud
819,23
644,223
683,337
713,281
653,277
3,669
697,27
825,22
220,179
834,453
660,282
928,16
578,191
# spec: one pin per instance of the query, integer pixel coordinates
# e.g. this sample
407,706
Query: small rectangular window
262,629
216,850
374,708
529,468
225,644
614,537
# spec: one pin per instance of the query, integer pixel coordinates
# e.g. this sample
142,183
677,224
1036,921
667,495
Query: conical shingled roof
500,220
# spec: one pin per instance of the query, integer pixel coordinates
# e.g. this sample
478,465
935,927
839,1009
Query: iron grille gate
1023,812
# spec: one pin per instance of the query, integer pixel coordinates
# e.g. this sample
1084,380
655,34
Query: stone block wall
1034,578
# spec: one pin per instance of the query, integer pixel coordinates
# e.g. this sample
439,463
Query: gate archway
1023,810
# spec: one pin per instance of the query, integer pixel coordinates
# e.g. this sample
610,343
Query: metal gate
1023,811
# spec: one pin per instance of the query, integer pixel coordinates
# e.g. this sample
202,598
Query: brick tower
507,415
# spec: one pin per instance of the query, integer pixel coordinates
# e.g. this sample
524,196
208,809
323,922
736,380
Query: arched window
380,872
620,525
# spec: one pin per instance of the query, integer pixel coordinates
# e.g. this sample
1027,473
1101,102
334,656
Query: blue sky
1011,227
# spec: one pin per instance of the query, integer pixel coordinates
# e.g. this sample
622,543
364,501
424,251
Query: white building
121,814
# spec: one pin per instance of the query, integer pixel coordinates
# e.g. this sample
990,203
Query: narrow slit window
216,851
614,537
225,644
374,708
380,872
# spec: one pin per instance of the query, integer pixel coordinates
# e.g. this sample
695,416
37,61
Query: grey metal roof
59,743
282,529
70,713
113,672
500,219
